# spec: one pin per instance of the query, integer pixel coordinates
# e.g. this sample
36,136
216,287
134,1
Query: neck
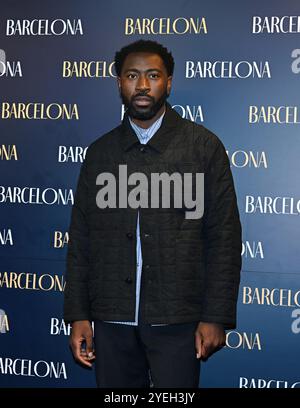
145,124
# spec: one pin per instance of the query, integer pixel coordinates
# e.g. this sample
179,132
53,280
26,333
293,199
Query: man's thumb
198,346
89,347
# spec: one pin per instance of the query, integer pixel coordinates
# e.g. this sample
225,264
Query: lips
142,100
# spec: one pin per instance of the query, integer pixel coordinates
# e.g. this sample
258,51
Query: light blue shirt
144,136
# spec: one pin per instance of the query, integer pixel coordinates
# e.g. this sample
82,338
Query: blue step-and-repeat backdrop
237,72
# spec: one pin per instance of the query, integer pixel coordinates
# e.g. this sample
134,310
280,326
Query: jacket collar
160,139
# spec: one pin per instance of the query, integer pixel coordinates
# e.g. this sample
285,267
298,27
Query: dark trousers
144,355
127,356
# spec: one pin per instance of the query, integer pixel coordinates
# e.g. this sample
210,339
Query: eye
131,76
154,76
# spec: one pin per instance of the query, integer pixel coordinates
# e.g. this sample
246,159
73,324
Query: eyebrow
147,70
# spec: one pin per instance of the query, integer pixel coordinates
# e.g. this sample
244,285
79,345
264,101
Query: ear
169,84
119,83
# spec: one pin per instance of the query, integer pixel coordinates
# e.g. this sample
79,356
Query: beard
141,112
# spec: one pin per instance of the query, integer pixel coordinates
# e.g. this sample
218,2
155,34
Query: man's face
144,85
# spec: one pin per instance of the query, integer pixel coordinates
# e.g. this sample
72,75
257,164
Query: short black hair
144,46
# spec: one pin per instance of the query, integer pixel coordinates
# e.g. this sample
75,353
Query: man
160,286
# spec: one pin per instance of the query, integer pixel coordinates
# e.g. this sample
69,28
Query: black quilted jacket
191,267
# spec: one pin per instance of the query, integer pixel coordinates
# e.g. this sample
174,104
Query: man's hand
209,337
82,333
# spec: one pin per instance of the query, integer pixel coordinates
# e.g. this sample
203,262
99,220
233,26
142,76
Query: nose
142,84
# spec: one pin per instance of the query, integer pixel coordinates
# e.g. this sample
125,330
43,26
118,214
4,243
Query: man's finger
204,351
89,348
198,346
79,355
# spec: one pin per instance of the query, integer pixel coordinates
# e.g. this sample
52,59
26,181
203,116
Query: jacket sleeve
222,239
76,302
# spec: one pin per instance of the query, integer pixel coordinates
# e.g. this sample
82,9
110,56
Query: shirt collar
149,129
145,135
160,139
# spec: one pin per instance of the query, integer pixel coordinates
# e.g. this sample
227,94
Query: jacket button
129,235
143,149
128,280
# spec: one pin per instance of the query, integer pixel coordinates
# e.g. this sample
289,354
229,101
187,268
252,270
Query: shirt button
128,280
129,235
